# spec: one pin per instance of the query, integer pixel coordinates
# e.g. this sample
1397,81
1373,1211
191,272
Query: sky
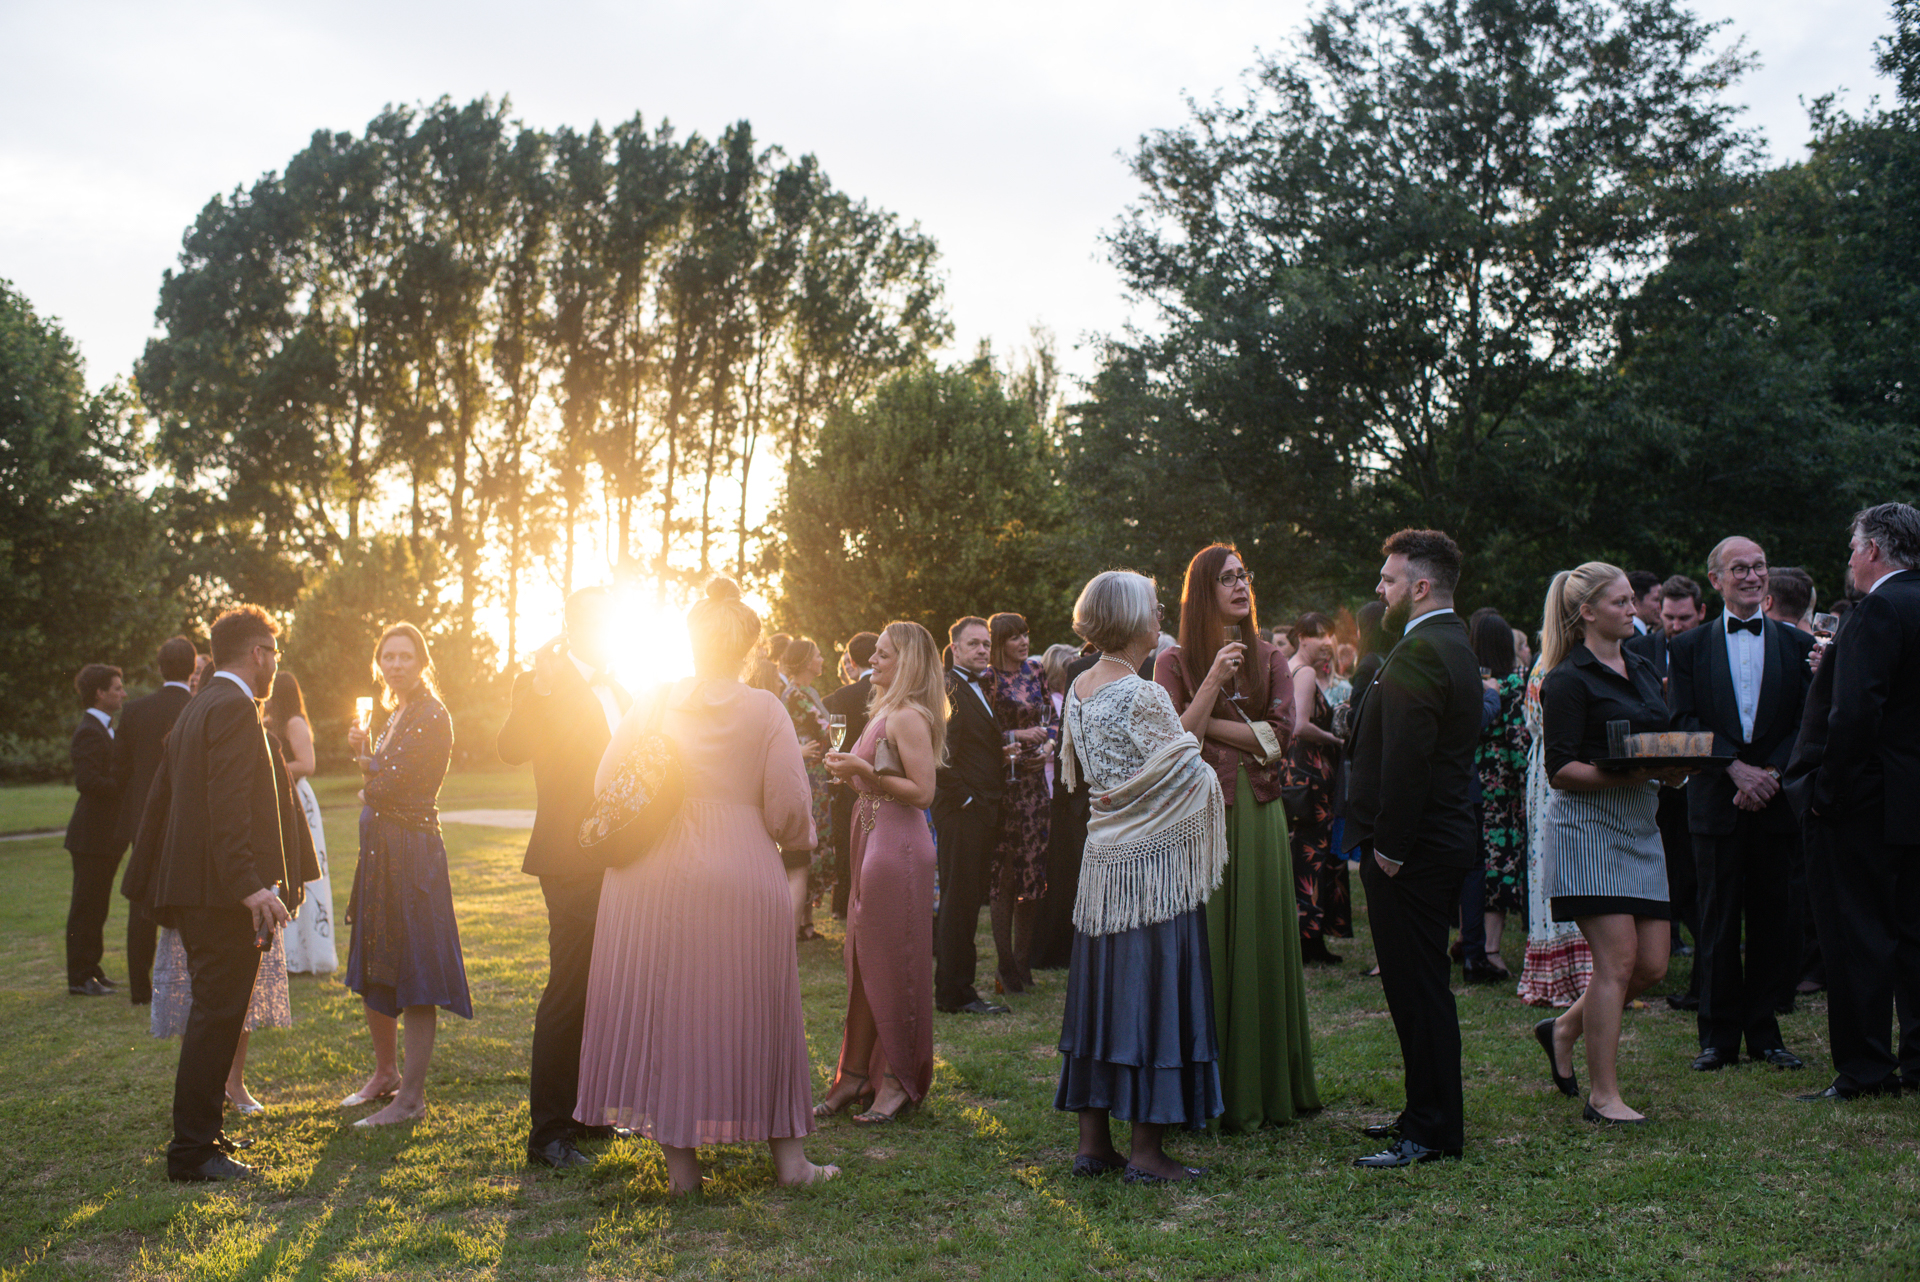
1001,127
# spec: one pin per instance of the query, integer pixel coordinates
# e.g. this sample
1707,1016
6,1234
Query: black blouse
1580,696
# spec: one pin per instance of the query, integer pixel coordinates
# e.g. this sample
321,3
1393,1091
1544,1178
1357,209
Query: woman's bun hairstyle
721,588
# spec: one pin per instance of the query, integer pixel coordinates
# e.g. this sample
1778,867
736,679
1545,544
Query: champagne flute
837,731
363,712
1231,633
1013,763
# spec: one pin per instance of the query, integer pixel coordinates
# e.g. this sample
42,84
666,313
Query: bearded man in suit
564,714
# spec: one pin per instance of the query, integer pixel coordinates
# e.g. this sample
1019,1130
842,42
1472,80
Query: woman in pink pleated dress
694,1032
886,1054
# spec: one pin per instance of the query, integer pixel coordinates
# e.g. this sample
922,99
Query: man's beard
1398,612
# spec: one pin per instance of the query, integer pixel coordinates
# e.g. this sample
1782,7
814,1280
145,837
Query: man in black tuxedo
1744,678
849,701
230,855
1409,804
966,816
137,745
93,842
1646,601
563,715
1855,775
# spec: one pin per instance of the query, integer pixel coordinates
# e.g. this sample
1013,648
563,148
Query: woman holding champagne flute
886,1053
1222,679
1023,706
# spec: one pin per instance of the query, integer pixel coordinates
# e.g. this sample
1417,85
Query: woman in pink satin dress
886,1054
694,1032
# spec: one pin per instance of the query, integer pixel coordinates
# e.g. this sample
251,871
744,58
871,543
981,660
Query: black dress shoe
1382,1131
1711,1060
215,1170
601,1133
1403,1152
1779,1057
92,988
979,1006
1683,1001
1888,1087
1568,1085
561,1155
227,1144
1591,1114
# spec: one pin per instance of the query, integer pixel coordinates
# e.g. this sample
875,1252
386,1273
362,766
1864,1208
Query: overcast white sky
998,126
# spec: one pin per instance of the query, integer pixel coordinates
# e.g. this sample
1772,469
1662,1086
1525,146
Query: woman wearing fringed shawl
1138,1033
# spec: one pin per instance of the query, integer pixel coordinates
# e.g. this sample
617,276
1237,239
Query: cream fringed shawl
1156,844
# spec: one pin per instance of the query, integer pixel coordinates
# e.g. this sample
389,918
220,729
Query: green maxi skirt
1259,990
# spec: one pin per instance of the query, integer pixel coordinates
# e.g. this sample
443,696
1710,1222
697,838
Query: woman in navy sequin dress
405,954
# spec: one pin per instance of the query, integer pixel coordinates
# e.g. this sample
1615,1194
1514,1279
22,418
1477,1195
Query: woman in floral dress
1321,891
801,664
1501,760
1024,706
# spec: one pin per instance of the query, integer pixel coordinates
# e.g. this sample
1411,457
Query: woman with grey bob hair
1137,1037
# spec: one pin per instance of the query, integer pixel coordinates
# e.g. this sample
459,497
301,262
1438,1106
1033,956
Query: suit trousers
87,915
1746,874
1410,915
222,962
840,807
964,841
143,935
1683,877
553,1079
1865,895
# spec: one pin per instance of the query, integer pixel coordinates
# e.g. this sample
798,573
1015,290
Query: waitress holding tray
1605,866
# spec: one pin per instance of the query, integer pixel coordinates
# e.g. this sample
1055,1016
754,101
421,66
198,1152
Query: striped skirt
1604,852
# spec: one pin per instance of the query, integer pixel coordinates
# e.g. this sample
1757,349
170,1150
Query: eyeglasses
267,645
1232,577
1758,570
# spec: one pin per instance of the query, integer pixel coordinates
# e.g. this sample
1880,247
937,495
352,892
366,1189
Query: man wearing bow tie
563,716
1744,678
966,817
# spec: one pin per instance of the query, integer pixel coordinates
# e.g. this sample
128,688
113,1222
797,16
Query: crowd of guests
1175,817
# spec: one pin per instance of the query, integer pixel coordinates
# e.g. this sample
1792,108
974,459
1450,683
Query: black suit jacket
1700,693
221,821
1860,738
96,812
1653,646
1411,773
564,734
976,765
137,746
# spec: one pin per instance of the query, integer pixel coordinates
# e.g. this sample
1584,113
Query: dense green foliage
83,564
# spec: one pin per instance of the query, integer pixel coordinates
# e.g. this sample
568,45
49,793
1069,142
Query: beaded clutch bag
636,806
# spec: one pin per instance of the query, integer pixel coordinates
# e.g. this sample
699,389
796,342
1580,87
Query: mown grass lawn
1734,1180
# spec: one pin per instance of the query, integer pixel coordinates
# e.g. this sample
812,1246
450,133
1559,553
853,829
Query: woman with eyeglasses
1221,685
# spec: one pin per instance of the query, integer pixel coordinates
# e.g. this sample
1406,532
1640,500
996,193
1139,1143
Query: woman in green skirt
1224,680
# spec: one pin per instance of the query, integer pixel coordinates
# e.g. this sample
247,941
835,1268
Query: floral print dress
1322,895
1021,701
809,713
1501,759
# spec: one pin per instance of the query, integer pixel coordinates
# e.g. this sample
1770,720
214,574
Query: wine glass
363,712
1824,626
837,731
1013,763
1231,633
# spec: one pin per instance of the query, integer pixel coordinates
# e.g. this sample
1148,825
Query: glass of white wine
837,731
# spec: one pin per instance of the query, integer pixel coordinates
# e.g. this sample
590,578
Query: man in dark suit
1646,601
966,816
1745,679
1682,608
1855,775
93,842
1409,804
849,701
230,855
563,715
136,757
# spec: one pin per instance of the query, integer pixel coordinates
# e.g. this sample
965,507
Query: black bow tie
1744,625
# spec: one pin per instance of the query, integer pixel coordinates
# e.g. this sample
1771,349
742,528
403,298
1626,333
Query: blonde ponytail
1561,626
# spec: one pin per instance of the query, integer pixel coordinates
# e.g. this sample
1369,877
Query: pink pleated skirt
694,1031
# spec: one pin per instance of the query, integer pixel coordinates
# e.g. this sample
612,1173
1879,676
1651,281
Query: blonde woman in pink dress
886,1052
694,1033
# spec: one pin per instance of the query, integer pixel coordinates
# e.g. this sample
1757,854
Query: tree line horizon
1515,272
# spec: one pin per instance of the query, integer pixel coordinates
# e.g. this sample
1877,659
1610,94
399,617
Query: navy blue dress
406,945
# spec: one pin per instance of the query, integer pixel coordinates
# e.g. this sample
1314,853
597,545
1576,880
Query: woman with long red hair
1220,684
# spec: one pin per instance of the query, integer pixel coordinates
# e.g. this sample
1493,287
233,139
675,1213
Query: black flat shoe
1780,1057
1403,1152
1591,1114
1088,1167
1568,1085
1135,1175
1711,1060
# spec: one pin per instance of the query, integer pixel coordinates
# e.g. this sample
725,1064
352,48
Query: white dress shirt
972,683
105,720
1746,655
602,687
1422,618
178,685
238,680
